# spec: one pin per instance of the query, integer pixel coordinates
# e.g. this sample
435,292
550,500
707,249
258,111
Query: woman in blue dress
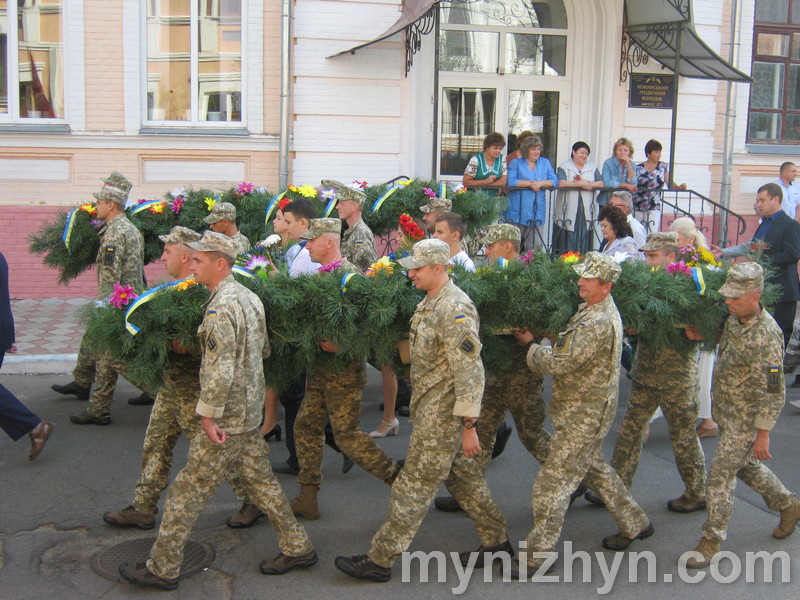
489,167
528,208
618,171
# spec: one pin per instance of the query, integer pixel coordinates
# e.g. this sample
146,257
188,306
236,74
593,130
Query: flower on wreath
307,191
694,257
157,208
89,208
177,204
328,194
410,227
186,283
429,192
571,257
257,263
244,188
526,258
398,254
404,183
181,191
382,264
97,223
328,268
679,267
359,185
284,201
272,240
210,203
122,295
142,201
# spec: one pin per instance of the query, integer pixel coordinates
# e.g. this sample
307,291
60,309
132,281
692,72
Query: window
775,91
194,62
31,60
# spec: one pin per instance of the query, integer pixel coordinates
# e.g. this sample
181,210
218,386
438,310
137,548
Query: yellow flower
158,208
307,191
291,188
210,203
406,182
186,284
383,264
89,208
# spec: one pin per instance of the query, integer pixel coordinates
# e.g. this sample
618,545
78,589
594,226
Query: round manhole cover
196,557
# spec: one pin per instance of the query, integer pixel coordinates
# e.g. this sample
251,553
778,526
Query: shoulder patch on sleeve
468,345
460,318
564,343
211,343
774,376
109,252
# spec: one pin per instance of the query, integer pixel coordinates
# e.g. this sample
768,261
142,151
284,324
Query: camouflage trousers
243,455
573,457
172,414
734,458
434,451
519,392
97,369
680,411
340,402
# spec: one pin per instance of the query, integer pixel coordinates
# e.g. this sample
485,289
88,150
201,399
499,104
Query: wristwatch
467,424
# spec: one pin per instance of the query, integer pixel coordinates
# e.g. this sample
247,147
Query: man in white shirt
791,191
450,227
296,215
624,201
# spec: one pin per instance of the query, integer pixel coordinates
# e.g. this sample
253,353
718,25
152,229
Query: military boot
789,518
130,517
708,549
305,505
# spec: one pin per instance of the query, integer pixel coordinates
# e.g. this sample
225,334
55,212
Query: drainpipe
286,93
730,119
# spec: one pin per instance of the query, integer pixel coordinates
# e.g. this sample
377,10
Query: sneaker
361,567
247,516
73,388
130,517
283,564
621,542
86,418
139,574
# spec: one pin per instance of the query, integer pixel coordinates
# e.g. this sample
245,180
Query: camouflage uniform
234,342
447,379
242,241
119,260
336,395
358,245
584,363
748,392
668,379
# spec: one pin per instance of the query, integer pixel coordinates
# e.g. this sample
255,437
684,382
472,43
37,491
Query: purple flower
257,262
244,188
679,267
177,204
328,194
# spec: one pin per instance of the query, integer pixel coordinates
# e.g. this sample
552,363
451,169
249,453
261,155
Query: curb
39,364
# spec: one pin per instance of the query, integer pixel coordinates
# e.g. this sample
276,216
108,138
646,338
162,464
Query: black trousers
784,312
291,399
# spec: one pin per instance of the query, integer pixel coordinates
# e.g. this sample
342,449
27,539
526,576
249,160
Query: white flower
456,187
620,257
178,192
261,190
272,240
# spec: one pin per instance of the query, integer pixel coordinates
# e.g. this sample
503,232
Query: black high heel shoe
274,432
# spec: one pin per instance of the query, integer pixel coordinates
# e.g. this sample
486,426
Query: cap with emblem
112,194
216,242
437,204
119,181
427,252
598,266
223,211
316,227
660,240
180,235
742,278
501,231
344,192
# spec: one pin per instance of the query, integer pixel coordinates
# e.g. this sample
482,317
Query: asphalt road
51,525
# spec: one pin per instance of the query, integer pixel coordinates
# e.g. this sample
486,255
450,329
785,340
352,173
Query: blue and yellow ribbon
379,202
144,299
443,191
345,279
331,204
699,281
144,206
67,234
273,204
237,270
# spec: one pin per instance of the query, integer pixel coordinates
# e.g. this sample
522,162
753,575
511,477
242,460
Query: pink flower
360,184
327,268
244,188
679,267
177,204
526,258
429,192
257,262
142,200
122,295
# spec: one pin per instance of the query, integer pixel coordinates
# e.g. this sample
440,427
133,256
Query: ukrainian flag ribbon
699,282
68,227
345,280
144,299
144,206
243,272
379,202
273,204
443,191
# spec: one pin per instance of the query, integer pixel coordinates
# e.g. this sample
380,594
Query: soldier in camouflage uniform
332,393
516,388
222,219
358,242
234,343
748,391
173,413
666,378
434,209
447,378
120,259
584,362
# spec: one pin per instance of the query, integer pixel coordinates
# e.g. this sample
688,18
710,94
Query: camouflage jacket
748,384
121,256
234,343
664,369
358,245
446,368
584,362
244,243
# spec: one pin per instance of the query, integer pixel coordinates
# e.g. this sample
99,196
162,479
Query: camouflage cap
427,252
216,242
119,181
501,231
316,227
437,204
112,194
658,240
344,192
598,266
742,278
180,235
221,211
